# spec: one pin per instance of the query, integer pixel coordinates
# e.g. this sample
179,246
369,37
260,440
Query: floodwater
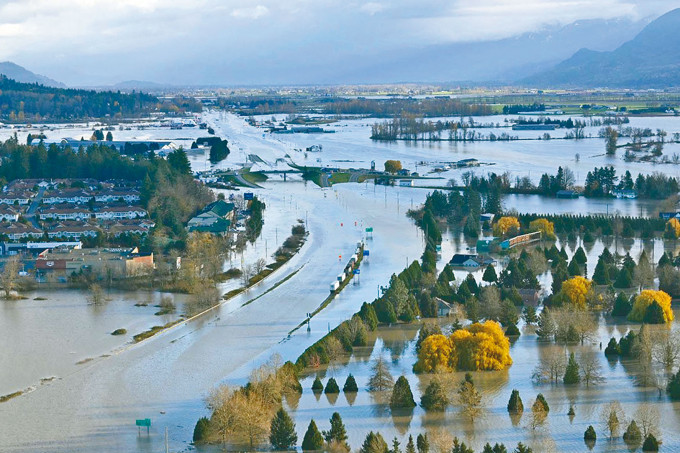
167,377
364,412
94,405
350,146
50,332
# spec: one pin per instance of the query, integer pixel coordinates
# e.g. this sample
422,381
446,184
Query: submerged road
167,377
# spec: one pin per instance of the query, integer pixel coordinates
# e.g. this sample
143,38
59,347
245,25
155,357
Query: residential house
64,213
73,230
75,196
120,212
215,218
17,231
104,262
111,196
8,214
13,198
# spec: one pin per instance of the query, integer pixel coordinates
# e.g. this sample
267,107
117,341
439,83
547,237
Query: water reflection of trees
396,341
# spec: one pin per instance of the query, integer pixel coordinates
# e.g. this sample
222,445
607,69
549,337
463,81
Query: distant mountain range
503,61
21,74
650,60
614,53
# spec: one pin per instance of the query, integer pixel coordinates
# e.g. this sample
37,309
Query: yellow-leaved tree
673,227
576,290
506,226
477,347
545,226
434,354
647,298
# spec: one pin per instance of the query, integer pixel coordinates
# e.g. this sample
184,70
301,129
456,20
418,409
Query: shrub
654,314
650,443
331,386
402,397
317,386
612,348
673,387
512,331
632,436
540,398
201,430
350,384
515,403
590,433
434,398
119,332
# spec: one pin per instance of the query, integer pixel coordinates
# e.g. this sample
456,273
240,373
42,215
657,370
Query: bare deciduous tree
381,379
9,276
551,366
591,370
647,419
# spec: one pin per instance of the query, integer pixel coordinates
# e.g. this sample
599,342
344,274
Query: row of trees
29,102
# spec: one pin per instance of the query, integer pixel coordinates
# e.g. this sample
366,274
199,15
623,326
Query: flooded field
366,411
167,377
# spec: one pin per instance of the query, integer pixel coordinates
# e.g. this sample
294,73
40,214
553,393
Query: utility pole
166,440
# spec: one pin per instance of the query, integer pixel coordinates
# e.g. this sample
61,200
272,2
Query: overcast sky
240,41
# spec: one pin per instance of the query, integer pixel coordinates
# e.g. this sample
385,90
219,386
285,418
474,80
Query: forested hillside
33,102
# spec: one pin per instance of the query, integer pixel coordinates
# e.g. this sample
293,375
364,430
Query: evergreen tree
590,434
612,349
521,448
559,275
313,440
395,446
529,315
490,274
546,325
402,397
337,435
201,430
410,446
654,314
624,279
622,305
434,398
460,447
601,273
423,443
673,387
574,268
331,387
515,405
512,331
317,386
650,443
541,399
571,374
282,434
368,316
580,256
374,443
350,384
632,436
